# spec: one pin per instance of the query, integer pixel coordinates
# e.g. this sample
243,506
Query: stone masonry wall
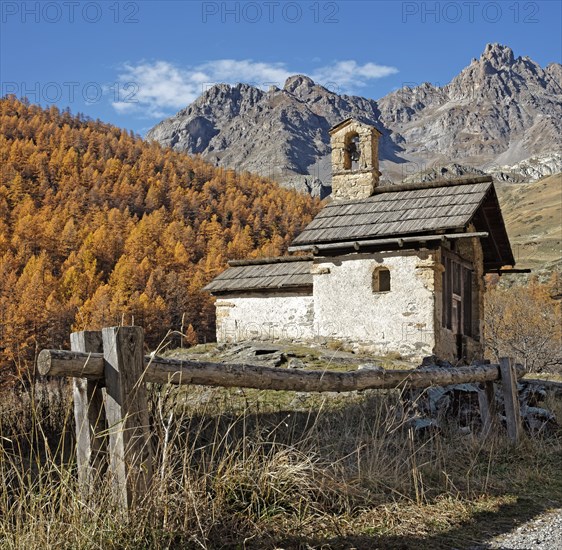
401,320
282,316
359,183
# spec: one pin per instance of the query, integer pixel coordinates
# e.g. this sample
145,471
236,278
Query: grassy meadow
255,469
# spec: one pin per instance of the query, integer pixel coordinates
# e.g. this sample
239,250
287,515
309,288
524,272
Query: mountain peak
497,55
498,109
297,83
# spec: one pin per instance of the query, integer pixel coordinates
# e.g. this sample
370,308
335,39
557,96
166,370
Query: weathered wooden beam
548,385
398,241
268,261
91,444
487,402
126,406
432,184
511,399
251,376
56,362
174,371
510,270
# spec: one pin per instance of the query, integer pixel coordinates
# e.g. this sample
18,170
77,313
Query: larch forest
98,228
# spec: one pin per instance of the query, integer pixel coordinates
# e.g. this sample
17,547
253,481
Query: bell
353,151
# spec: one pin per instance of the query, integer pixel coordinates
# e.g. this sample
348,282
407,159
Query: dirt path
543,532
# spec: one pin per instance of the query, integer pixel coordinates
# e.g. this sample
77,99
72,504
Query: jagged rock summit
498,111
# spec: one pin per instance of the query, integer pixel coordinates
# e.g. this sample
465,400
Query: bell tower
355,160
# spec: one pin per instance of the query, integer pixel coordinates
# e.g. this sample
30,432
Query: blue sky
133,63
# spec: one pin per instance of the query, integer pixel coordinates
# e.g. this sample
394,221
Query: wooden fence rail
110,399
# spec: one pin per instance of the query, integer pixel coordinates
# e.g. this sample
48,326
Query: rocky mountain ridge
498,114
528,170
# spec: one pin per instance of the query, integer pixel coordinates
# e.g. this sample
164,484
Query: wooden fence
109,373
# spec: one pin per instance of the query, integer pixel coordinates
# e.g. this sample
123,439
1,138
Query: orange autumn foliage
98,228
524,321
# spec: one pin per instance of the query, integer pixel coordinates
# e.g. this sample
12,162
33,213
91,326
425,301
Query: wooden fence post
487,402
511,399
91,444
126,408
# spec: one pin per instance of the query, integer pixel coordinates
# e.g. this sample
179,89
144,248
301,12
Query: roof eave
392,241
498,238
261,290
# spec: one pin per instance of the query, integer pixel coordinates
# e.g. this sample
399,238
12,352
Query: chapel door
457,299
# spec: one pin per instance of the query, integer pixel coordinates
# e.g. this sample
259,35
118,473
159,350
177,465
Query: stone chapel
393,268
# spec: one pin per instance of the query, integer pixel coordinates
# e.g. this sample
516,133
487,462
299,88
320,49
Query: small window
381,280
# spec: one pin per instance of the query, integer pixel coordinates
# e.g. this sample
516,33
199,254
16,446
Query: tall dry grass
236,469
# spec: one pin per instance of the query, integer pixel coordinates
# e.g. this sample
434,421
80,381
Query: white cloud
159,88
348,75
230,70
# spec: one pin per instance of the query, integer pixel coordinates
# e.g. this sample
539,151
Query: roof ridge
432,184
270,260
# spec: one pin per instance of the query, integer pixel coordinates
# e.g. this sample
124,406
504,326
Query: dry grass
532,214
237,470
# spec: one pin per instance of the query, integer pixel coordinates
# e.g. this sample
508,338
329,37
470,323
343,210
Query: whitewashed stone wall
401,320
343,306
279,316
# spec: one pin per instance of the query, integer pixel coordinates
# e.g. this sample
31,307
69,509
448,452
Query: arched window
351,151
381,280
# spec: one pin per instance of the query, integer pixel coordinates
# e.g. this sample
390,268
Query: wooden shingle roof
397,213
291,272
415,210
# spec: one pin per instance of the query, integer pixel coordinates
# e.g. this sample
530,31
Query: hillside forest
99,228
